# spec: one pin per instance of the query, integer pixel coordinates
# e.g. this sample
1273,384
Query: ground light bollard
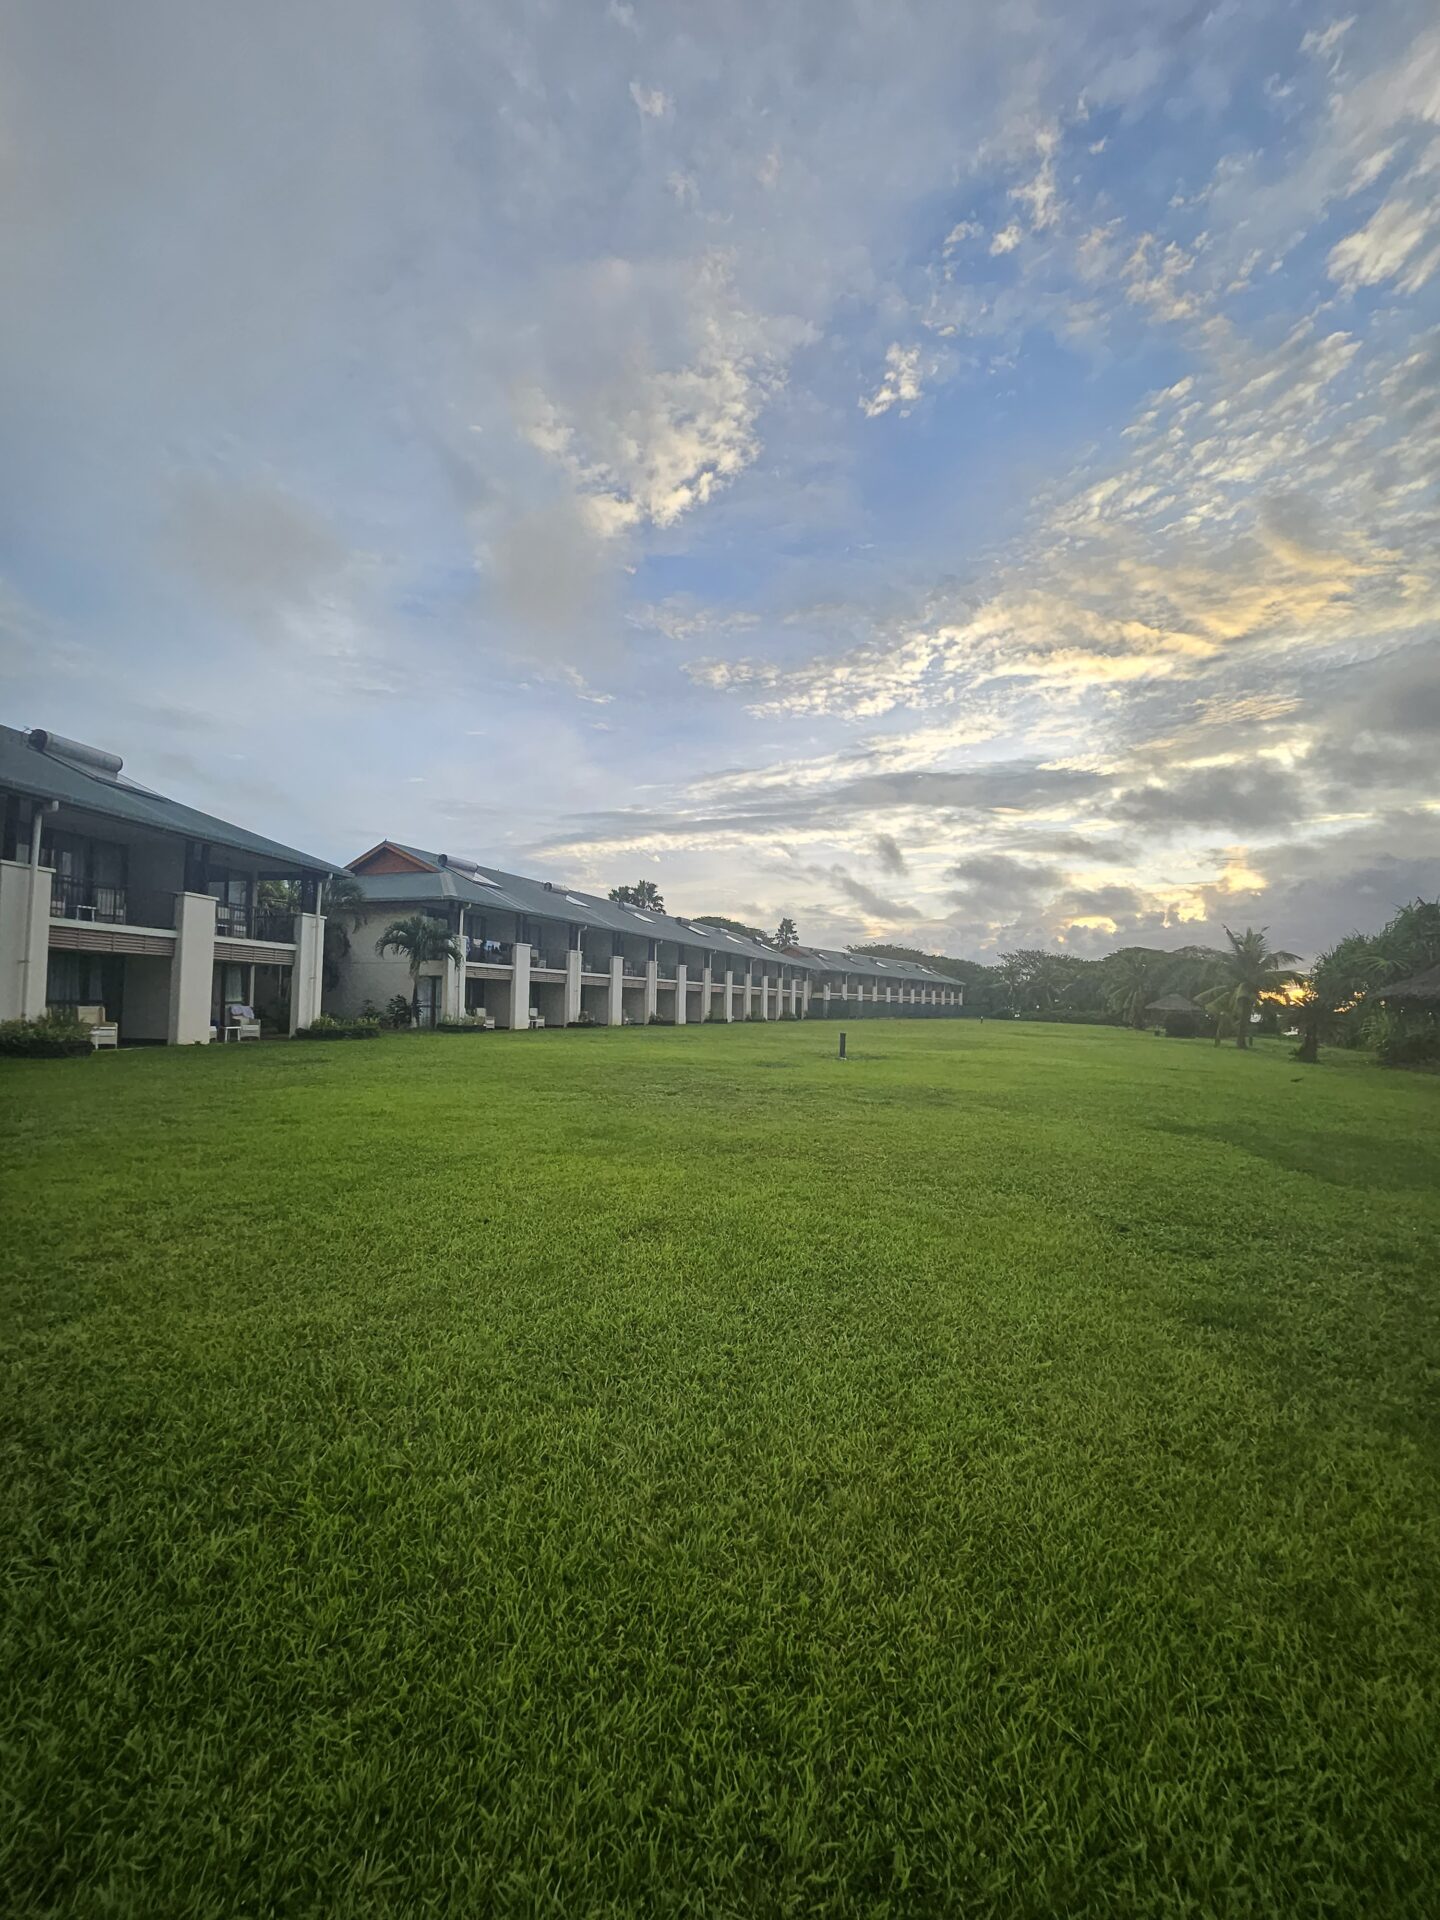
842,1046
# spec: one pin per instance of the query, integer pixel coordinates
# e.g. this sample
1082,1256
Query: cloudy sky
955,473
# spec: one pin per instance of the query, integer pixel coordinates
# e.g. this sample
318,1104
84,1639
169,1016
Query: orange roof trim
388,858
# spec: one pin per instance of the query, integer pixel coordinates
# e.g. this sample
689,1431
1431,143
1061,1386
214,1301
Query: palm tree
787,934
1253,971
1131,984
423,940
344,903
1333,988
644,893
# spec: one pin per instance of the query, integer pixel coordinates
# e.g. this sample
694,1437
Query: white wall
364,975
192,970
24,939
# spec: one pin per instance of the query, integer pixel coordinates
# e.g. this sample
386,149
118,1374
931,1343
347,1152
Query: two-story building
113,895
536,950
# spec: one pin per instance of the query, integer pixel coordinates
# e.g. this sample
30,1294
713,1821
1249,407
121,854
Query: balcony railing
594,963
72,899
551,962
85,900
490,953
253,923
664,970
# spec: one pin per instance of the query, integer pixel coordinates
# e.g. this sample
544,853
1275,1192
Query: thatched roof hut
1420,990
1180,1017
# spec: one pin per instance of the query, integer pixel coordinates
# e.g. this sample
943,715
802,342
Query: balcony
664,970
253,923
94,904
595,963
489,953
549,962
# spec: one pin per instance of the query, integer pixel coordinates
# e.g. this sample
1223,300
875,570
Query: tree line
1338,1000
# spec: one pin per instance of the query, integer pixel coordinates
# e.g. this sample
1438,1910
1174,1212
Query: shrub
467,1025
1415,1047
55,1036
325,1027
1072,1017
397,1012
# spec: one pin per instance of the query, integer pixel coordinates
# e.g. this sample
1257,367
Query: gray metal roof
471,884
44,776
869,966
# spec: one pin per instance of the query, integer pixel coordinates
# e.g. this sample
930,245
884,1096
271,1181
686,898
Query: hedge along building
533,945
113,895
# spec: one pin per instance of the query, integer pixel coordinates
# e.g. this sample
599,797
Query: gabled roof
1173,1003
439,877
870,966
47,775
390,857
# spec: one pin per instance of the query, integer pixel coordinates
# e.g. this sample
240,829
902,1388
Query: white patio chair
240,1023
535,1020
103,1032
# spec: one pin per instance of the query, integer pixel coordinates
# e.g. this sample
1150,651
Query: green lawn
673,1472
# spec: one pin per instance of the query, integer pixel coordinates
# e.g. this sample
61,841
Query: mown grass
673,1473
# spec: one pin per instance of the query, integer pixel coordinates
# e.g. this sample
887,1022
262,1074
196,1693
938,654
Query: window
85,980
89,881
231,892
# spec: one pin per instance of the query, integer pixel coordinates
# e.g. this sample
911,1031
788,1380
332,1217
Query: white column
452,983
519,1008
682,987
307,975
572,985
707,987
652,990
615,998
24,939
729,995
764,997
192,970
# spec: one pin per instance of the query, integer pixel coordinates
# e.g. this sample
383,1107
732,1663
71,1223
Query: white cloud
1323,41
1041,195
1381,248
650,100
1006,239
642,441
901,385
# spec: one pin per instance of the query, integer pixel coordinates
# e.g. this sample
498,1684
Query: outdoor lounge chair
478,1017
535,1020
103,1032
240,1023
